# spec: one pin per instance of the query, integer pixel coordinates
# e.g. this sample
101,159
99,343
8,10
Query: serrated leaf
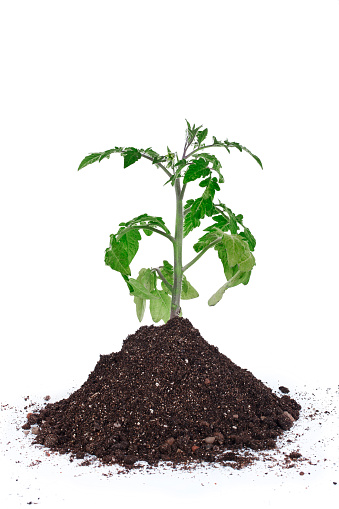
91,158
246,234
190,222
216,165
211,187
197,169
144,220
140,291
201,135
116,257
233,222
130,241
160,306
204,241
149,151
97,156
130,155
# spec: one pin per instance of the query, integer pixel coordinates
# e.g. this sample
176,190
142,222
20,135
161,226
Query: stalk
177,246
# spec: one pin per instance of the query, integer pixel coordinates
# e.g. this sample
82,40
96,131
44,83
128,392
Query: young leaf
160,306
116,257
130,155
201,135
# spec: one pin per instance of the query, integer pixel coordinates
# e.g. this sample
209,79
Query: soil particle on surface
167,395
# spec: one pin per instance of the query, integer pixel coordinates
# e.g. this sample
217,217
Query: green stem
162,277
203,251
159,164
197,149
177,245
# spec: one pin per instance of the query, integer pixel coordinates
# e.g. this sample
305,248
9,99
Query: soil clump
167,395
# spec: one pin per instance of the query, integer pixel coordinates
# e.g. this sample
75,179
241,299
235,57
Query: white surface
80,77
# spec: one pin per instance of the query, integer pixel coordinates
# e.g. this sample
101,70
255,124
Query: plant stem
201,253
200,148
159,164
162,277
177,245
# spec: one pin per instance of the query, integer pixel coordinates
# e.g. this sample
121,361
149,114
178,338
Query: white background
81,77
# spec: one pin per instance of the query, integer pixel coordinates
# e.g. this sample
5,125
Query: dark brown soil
168,395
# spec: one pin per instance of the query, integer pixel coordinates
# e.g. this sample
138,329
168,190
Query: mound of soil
168,395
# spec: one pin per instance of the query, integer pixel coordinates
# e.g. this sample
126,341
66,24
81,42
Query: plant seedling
227,234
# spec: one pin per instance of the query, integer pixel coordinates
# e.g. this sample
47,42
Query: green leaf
140,304
235,248
238,253
204,241
139,290
256,158
247,235
91,158
222,254
211,185
130,155
160,306
201,135
130,241
198,168
98,156
126,279
145,219
233,221
147,278
216,165
151,152
248,261
116,257
188,292
217,296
